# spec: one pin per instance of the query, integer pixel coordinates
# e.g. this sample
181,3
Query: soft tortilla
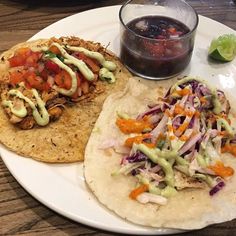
65,139
189,209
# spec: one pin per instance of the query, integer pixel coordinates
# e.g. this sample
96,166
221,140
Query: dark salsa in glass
160,51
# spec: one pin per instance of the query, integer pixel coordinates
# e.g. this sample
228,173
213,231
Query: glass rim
156,40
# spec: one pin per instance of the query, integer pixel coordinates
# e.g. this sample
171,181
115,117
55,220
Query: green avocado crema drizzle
215,100
223,122
86,72
21,112
71,91
105,73
164,160
111,66
41,116
161,161
168,191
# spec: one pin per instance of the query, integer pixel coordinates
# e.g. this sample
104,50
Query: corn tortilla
65,139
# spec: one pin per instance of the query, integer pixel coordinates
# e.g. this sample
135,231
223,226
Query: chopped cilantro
60,58
49,54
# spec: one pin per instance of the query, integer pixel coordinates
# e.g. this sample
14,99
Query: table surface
20,213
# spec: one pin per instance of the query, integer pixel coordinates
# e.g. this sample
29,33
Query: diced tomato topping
63,80
32,60
52,66
16,61
35,81
80,78
91,63
46,86
35,73
25,57
55,50
30,79
44,74
17,77
23,52
82,86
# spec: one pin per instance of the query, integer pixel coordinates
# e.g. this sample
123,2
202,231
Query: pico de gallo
42,80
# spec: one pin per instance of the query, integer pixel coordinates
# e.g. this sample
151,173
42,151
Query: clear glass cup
164,53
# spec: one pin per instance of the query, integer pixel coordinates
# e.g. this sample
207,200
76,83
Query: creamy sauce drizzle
111,66
21,112
41,116
71,91
86,72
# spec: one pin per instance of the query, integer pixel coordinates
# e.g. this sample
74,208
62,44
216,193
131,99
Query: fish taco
52,91
162,155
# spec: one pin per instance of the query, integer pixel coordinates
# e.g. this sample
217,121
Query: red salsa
164,57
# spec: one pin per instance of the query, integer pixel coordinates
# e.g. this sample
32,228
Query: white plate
61,187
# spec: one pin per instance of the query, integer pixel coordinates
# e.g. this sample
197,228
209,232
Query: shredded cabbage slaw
184,132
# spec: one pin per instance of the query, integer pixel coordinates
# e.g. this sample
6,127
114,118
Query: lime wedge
223,48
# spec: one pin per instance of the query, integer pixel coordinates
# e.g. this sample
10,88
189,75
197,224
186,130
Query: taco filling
160,155
42,80
52,91
177,143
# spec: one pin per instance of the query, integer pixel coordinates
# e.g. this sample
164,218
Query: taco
52,91
163,157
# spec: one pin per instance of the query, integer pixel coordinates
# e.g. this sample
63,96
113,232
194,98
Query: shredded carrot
223,133
189,113
139,139
229,148
221,170
178,109
137,191
55,50
183,92
167,113
63,79
170,130
184,138
203,100
182,127
197,114
128,126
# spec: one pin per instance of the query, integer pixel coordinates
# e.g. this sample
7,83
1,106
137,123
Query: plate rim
66,214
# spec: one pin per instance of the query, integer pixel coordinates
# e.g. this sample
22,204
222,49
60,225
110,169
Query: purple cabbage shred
217,188
136,157
154,110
